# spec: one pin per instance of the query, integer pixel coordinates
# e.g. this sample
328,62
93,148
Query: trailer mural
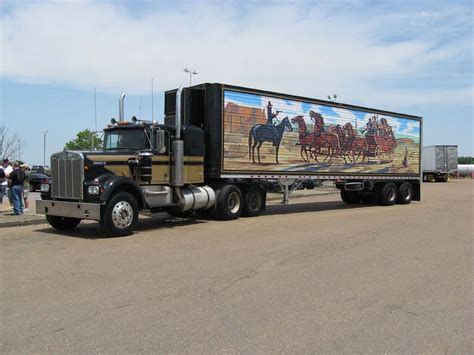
263,133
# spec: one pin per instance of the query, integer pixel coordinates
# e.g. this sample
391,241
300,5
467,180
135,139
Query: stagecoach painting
273,134
381,141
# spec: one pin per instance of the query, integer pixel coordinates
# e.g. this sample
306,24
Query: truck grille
67,173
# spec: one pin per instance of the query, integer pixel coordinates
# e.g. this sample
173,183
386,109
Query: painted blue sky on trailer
403,127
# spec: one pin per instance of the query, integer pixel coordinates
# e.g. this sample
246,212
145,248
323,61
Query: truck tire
229,203
254,201
387,194
63,223
119,215
442,178
405,193
349,197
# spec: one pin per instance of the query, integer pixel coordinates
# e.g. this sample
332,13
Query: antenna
152,111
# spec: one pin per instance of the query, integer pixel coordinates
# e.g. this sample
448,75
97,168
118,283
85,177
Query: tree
465,160
83,141
8,143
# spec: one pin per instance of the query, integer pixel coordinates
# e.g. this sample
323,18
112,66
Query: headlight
44,187
93,190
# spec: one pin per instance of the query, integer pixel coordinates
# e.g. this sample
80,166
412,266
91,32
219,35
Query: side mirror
160,143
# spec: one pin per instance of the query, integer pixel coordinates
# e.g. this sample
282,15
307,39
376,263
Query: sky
414,57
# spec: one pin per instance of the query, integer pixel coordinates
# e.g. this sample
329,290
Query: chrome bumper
69,209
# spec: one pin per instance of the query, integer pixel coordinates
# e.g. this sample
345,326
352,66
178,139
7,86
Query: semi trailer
219,145
438,162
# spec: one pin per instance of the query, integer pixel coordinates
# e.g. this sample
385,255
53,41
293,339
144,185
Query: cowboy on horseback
270,117
270,114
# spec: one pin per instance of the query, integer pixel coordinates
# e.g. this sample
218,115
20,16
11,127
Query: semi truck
438,162
217,147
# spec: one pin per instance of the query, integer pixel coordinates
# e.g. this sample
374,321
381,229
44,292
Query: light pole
191,73
95,121
44,147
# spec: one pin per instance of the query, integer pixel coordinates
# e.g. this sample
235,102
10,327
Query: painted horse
305,137
323,139
355,144
267,133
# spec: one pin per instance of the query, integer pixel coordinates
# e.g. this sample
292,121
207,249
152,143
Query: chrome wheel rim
233,202
122,214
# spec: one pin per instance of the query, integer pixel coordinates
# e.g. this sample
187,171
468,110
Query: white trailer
438,161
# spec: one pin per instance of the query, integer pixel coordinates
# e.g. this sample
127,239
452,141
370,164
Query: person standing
26,187
16,180
7,169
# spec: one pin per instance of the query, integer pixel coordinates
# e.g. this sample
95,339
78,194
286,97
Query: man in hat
16,181
270,114
5,171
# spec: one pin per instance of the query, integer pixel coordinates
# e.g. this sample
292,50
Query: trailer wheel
229,203
387,194
350,197
63,223
405,193
119,215
254,201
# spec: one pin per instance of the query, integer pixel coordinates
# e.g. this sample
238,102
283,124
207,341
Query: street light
191,73
44,147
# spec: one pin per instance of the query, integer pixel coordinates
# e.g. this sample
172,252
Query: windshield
124,139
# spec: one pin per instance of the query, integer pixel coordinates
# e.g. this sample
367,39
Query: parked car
40,169
36,180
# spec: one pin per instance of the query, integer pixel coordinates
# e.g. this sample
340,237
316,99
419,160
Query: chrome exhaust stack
122,107
178,145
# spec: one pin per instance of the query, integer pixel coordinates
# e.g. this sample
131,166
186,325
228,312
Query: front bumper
80,210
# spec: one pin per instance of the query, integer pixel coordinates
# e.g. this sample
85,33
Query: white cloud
280,47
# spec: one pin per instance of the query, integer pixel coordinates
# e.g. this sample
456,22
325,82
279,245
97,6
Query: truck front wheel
119,215
254,201
228,202
63,223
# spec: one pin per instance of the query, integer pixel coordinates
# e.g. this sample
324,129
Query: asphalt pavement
314,276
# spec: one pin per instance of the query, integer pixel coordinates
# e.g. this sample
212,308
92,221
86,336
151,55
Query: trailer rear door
452,158
440,155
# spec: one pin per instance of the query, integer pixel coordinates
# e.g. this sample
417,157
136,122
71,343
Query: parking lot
314,276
